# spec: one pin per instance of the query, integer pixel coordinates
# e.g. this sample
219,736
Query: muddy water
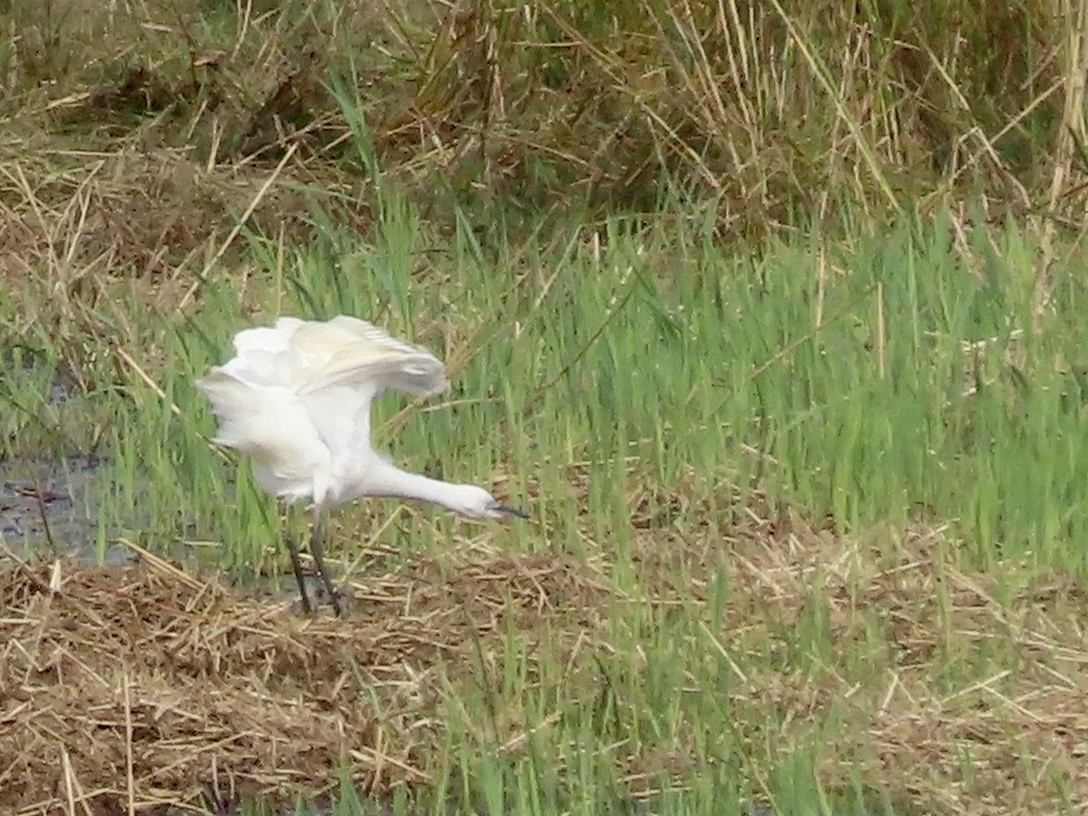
47,507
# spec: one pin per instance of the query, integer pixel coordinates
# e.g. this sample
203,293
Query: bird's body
296,398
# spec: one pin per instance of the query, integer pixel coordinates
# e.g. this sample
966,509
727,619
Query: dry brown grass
149,218
183,122
147,686
950,691
82,234
768,109
938,687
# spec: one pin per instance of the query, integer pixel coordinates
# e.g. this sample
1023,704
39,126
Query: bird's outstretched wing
297,396
349,351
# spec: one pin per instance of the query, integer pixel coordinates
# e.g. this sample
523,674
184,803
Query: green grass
902,382
892,380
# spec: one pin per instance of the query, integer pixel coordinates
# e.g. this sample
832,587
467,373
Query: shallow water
48,507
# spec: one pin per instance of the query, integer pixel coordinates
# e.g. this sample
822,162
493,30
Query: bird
296,399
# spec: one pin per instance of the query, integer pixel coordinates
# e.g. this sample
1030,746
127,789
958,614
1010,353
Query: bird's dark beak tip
511,511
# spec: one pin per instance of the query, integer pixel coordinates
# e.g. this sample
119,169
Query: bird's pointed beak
506,509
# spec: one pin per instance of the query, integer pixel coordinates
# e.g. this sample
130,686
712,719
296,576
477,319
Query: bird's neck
386,480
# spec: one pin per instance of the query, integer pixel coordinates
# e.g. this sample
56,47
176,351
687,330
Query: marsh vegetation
771,314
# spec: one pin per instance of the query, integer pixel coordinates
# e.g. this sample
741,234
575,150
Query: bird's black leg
296,565
317,550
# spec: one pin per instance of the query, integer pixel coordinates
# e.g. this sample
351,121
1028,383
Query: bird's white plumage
296,398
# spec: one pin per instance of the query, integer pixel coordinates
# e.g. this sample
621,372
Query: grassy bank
892,378
770,315
811,480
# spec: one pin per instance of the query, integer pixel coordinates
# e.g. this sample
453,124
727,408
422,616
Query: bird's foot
339,600
316,596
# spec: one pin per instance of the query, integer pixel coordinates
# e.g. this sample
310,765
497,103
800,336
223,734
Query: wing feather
272,425
349,351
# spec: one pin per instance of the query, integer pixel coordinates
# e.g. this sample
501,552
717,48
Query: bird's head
476,503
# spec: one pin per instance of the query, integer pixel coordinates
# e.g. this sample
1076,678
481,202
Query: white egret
296,398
